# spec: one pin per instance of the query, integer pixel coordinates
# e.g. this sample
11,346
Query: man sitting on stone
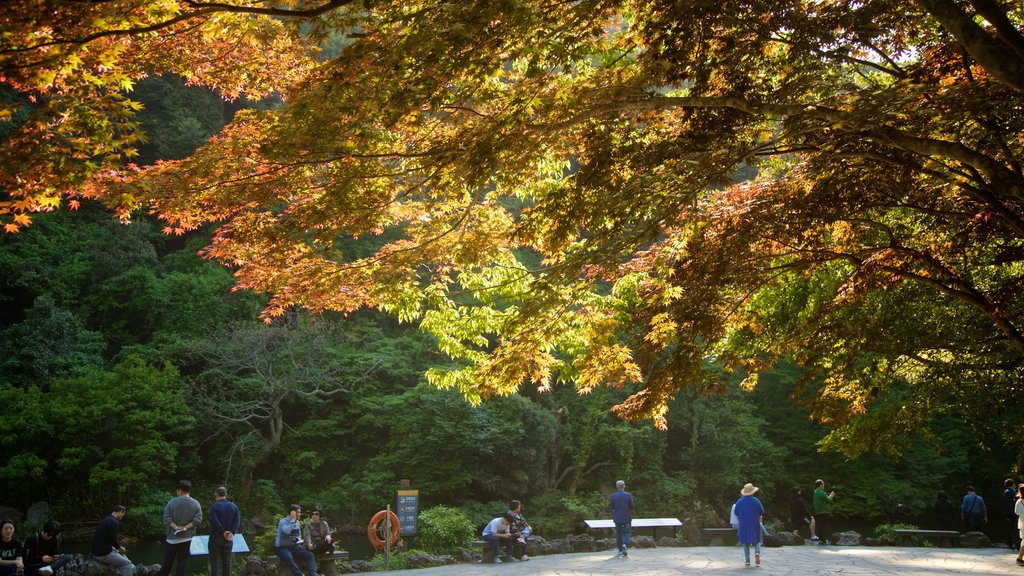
42,551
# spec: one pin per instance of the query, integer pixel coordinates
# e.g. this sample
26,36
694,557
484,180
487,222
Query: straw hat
748,489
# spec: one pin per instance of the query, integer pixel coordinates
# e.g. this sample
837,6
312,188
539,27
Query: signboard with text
408,508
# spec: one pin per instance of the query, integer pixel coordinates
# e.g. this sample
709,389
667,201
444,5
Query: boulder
253,567
788,538
355,566
877,542
974,540
642,542
666,542
37,515
581,543
850,538
427,560
605,544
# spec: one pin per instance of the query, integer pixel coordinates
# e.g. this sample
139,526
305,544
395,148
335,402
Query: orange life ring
377,537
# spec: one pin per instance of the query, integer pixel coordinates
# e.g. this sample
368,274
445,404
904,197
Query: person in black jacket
106,548
42,551
944,511
799,515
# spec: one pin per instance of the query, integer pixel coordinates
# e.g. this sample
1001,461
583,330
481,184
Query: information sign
408,508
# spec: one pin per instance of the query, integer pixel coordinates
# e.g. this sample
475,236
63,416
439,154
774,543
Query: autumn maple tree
597,192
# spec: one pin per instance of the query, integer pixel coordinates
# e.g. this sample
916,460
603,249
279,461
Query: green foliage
886,532
398,560
443,529
177,118
264,543
49,343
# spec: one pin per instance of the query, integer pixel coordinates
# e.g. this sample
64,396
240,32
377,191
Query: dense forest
521,251
128,361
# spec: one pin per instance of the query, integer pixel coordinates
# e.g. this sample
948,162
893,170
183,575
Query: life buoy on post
377,533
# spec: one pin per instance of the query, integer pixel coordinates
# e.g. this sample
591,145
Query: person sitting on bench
496,530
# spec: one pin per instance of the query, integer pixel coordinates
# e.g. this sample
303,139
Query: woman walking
750,513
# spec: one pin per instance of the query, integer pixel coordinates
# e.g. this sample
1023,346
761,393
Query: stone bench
715,536
335,556
946,537
487,551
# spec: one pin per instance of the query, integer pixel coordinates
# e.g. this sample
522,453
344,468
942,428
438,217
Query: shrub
443,529
397,562
886,532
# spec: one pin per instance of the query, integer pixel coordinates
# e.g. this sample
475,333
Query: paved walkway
723,560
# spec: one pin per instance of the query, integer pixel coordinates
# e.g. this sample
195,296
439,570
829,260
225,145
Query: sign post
408,508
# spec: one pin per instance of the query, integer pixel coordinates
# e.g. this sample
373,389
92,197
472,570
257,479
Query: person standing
288,543
943,511
11,561
822,502
973,511
1018,507
749,515
42,551
105,547
317,535
182,515
226,521
799,516
622,504
1009,500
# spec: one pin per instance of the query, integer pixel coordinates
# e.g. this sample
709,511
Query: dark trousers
821,525
220,556
177,552
288,554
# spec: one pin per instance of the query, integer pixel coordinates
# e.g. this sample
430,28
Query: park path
726,560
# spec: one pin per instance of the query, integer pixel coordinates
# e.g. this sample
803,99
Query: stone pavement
723,560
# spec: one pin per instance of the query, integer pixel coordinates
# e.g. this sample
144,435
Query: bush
398,559
443,529
886,532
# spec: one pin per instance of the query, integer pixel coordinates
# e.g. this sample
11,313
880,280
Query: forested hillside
512,249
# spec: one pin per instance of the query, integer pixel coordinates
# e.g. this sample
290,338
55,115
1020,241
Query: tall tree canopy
835,181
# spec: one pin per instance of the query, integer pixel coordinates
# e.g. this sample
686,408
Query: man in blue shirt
622,514
972,511
226,522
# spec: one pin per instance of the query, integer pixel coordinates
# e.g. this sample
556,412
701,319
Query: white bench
652,523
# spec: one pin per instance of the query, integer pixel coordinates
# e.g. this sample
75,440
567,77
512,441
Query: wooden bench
946,537
652,523
715,536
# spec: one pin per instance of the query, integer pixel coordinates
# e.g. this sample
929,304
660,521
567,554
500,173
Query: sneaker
625,553
1020,562
497,560
512,559
524,558
814,538
757,559
46,570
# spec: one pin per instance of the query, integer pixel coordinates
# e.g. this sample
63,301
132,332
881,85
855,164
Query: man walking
105,547
182,515
622,515
226,521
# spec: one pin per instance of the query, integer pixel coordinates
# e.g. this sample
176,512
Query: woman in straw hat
750,513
